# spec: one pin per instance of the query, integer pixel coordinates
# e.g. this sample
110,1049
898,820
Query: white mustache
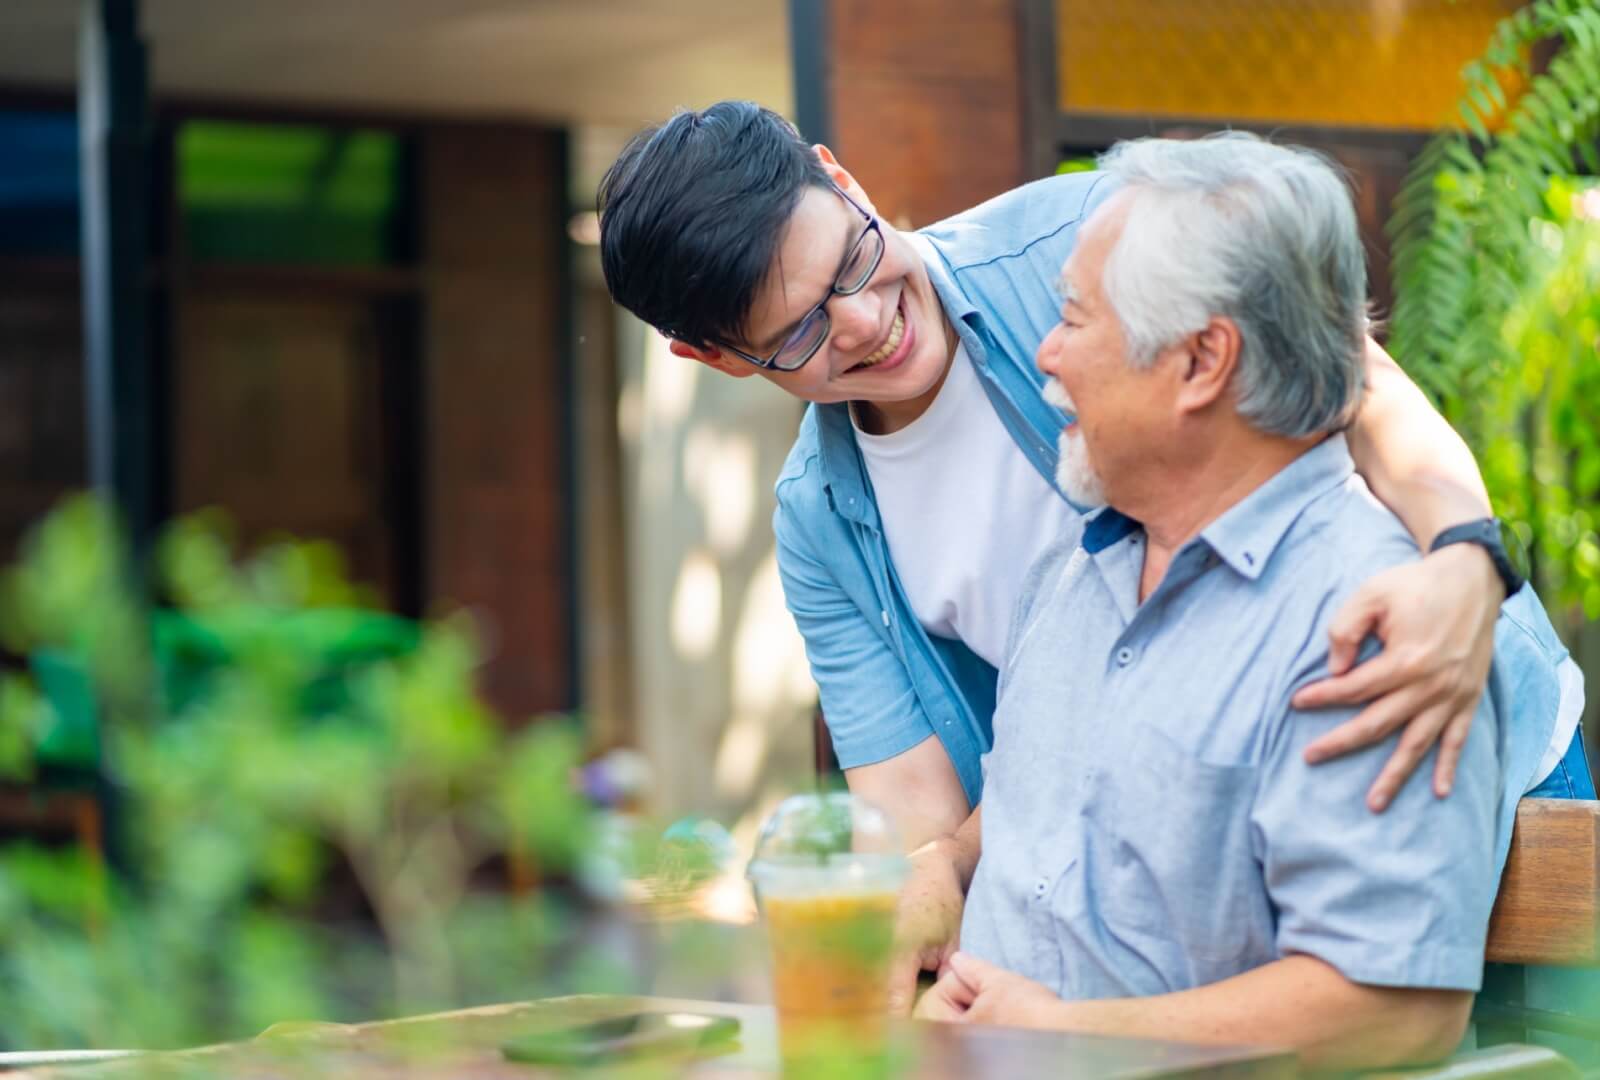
1054,395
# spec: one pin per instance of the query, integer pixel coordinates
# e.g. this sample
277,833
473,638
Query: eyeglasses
857,269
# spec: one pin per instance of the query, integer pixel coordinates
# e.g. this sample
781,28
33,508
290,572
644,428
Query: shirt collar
1247,534
958,306
1106,526
844,474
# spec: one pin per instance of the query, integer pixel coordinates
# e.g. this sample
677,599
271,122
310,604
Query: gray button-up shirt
1149,823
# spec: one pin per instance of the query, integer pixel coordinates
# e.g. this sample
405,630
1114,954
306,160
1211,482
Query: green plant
1496,278
288,854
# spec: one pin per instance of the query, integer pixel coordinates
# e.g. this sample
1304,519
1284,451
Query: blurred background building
369,308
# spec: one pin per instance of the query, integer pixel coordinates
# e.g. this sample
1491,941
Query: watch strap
1485,533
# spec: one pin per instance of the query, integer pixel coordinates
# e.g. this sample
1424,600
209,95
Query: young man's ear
1211,356
839,175
713,357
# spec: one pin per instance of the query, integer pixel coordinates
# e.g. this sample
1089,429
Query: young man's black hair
693,212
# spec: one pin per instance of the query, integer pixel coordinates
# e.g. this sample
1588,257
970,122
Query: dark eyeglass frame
770,363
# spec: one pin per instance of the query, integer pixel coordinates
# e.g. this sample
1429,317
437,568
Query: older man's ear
1206,367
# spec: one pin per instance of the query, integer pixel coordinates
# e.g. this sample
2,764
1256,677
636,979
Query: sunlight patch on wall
772,687
740,754
720,472
669,383
769,656
630,413
697,607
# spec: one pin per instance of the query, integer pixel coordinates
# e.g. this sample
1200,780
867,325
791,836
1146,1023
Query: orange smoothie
830,957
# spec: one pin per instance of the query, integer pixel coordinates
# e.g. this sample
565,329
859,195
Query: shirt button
1040,887
885,615
1124,656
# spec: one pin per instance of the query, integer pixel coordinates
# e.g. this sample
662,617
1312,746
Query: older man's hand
928,926
976,991
1436,621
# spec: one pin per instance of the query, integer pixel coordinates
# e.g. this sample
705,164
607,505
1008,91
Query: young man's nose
857,320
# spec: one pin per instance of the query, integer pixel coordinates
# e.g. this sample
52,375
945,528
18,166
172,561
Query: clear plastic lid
827,844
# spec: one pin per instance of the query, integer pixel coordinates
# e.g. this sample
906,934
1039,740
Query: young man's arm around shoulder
1439,613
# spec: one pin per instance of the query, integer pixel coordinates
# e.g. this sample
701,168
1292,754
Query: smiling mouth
890,346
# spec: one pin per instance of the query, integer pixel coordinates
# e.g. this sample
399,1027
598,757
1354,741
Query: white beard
1075,474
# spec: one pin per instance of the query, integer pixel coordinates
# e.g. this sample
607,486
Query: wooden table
465,1044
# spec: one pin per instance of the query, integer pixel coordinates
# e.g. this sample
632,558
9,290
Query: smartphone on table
635,1035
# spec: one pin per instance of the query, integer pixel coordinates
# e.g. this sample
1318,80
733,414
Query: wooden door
279,421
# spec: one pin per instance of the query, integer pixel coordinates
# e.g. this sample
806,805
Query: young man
921,485
1157,860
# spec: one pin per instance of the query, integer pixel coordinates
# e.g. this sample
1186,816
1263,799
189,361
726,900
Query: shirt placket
946,711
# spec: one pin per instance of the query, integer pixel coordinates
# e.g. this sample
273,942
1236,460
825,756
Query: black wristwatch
1489,534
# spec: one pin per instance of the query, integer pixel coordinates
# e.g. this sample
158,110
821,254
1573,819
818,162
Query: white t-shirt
963,511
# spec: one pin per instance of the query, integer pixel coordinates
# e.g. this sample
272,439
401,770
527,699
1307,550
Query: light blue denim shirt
885,684
1151,824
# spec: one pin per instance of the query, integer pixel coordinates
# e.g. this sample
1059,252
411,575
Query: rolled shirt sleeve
1400,898
872,708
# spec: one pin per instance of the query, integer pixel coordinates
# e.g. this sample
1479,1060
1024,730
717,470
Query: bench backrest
1548,909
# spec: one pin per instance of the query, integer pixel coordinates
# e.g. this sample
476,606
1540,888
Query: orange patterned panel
1365,63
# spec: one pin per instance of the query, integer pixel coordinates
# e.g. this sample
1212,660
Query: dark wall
43,448
925,101
496,412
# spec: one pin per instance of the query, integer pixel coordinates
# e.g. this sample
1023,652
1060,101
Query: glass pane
39,184
1369,63
290,194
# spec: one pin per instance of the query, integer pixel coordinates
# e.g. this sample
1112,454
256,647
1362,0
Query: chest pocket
1170,846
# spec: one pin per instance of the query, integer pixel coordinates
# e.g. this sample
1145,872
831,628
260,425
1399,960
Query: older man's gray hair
1266,235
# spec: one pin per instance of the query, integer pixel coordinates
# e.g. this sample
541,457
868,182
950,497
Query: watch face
1515,538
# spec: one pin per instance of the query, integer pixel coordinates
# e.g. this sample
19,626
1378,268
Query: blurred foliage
276,855
1497,271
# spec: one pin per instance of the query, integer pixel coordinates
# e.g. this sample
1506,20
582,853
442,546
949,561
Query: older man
1156,858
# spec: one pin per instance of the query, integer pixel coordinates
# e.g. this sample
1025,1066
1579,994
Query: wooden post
497,469
114,126
926,102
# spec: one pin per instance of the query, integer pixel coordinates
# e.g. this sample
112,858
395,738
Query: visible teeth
896,332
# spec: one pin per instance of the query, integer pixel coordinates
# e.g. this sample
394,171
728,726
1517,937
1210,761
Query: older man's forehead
1067,285
1094,235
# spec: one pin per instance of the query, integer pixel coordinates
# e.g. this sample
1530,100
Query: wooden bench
1547,915
1548,910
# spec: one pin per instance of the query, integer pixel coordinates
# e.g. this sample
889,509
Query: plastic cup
827,874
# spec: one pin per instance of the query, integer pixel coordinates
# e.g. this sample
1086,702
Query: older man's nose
1047,358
